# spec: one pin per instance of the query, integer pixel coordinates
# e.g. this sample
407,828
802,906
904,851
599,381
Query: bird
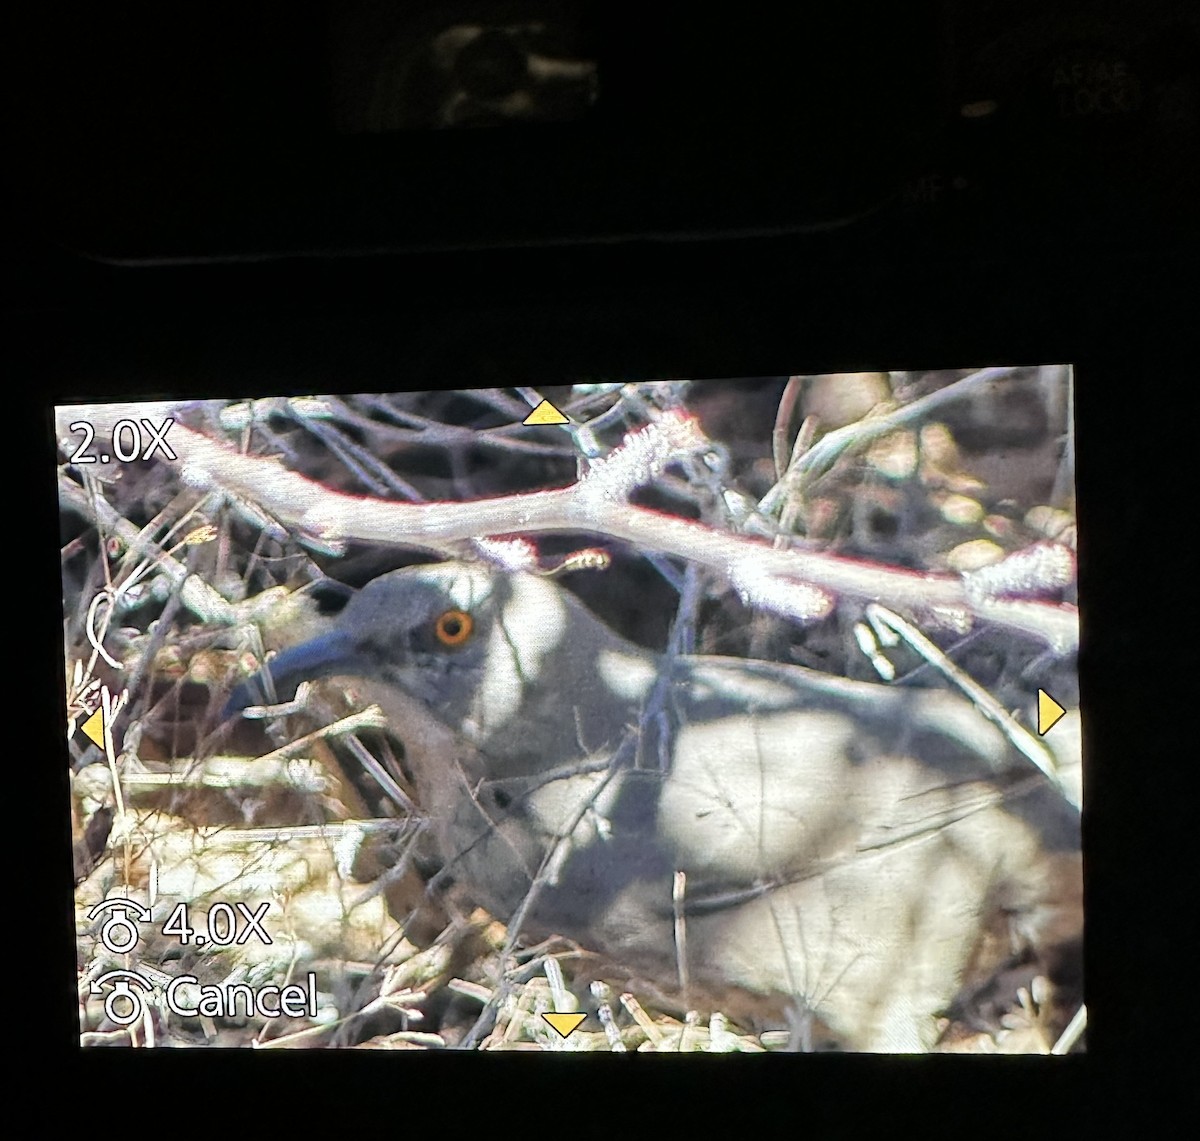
791,848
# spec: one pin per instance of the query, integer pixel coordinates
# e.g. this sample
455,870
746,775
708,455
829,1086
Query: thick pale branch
441,527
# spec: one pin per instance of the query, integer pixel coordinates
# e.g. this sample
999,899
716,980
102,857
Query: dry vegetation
913,490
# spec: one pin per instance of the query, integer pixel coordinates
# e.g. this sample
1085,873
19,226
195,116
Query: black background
160,248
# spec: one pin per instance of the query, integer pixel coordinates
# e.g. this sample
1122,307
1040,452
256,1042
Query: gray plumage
844,847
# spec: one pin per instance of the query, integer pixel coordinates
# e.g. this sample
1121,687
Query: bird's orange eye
454,627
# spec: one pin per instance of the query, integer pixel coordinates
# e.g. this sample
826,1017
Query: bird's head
471,642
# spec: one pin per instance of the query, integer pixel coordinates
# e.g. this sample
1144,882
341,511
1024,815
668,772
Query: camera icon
126,1000
120,933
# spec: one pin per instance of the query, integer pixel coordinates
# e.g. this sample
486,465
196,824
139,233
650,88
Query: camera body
369,128
421,196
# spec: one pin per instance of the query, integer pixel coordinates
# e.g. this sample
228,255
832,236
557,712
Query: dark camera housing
155,135
212,207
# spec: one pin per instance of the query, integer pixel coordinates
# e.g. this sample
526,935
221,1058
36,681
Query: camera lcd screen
694,715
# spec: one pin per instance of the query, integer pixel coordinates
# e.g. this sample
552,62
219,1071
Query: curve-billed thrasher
757,838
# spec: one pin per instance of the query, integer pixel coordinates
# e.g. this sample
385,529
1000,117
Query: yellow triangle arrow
93,728
545,413
1049,712
565,1024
